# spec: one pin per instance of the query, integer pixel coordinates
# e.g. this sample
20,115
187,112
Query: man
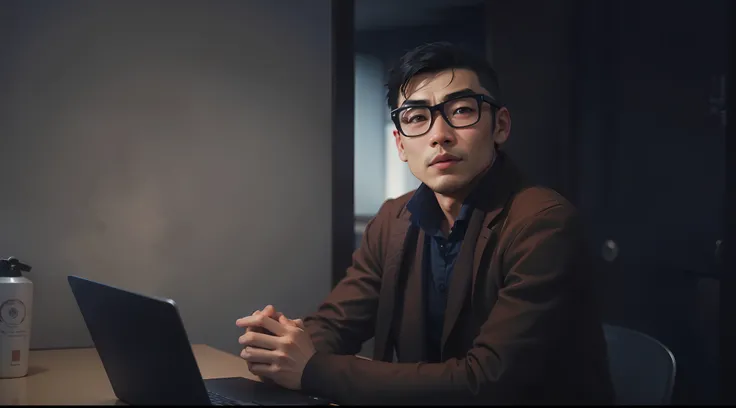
477,281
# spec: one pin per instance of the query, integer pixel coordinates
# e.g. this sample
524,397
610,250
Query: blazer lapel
398,240
461,274
482,242
411,329
495,192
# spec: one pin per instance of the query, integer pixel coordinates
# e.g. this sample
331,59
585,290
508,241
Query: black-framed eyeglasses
459,112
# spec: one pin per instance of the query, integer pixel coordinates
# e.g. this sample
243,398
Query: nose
441,132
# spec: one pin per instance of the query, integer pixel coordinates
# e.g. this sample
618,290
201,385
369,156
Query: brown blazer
521,324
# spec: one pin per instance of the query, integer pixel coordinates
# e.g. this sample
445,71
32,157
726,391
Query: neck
452,203
450,206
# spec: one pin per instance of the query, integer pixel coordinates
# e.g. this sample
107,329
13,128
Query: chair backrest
642,369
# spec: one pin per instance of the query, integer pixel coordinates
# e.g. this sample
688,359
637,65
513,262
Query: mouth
444,161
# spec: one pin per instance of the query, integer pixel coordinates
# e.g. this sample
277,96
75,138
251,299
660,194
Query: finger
271,312
258,355
256,328
240,321
274,326
298,323
265,370
255,313
261,340
262,378
261,321
252,320
268,311
247,329
286,321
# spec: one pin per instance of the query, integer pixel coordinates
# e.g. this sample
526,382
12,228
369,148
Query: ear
503,126
399,145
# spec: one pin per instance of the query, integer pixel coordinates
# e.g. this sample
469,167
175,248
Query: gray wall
180,151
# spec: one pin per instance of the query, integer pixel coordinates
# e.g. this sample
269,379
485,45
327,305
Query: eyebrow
462,92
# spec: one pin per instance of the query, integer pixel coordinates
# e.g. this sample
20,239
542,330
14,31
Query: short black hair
436,57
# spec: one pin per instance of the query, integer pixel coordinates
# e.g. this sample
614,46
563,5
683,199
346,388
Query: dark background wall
529,45
611,104
389,45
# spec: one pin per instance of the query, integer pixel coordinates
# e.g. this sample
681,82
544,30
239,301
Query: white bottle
16,302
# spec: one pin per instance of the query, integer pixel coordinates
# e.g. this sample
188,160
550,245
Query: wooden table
76,376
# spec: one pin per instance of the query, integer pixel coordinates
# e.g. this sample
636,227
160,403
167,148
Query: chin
447,185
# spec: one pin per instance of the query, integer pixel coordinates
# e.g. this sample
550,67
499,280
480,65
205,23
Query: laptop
148,358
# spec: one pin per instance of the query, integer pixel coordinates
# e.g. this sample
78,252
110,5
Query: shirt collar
426,212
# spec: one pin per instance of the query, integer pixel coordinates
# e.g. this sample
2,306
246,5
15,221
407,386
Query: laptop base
244,389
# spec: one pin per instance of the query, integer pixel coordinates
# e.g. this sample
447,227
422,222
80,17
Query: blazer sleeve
532,307
346,319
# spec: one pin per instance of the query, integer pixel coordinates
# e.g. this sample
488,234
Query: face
448,159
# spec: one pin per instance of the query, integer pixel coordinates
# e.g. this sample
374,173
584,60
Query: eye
414,116
463,111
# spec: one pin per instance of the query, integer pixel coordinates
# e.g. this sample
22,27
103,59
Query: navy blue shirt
439,256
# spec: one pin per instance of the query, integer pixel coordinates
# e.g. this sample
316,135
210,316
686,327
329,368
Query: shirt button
442,287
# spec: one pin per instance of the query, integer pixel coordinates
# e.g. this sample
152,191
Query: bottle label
12,315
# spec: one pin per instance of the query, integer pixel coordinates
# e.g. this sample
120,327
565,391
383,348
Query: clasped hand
275,347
